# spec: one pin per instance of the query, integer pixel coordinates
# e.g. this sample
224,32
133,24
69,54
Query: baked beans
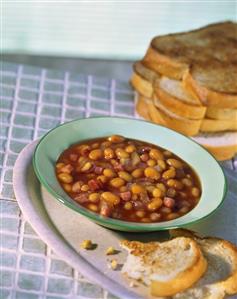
128,179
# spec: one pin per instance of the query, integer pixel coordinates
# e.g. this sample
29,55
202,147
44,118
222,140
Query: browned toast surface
210,53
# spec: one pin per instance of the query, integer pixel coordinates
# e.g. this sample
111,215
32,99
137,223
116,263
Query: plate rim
124,225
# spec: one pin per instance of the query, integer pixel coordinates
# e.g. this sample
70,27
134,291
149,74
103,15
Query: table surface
116,69
34,100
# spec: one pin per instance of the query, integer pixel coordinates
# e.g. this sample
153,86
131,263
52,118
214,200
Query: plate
49,219
207,168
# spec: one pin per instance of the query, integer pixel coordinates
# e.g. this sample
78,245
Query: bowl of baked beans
129,175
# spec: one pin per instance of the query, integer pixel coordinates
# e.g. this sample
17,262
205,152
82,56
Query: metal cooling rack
33,101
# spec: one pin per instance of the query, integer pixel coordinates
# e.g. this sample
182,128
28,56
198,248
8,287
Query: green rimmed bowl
212,178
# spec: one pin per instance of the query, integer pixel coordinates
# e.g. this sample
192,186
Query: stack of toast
188,82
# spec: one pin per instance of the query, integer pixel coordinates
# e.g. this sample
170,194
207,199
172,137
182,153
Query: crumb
113,264
87,244
110,250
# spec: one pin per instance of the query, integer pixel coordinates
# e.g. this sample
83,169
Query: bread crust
142,108
143,79
209,97
177,89
150,257
220,152
183,125
164,65
210,50
143,86
183,281
178,107
227,286
221,113
216,125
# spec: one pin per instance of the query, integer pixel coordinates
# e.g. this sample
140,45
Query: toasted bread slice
142,108
209,97
145,78
221,113
141,85
218,76
216,125
206,59
176,119
161,118
161,115
220,279
165,65
145,72
168,267
222,145
178,90
178,107
207,48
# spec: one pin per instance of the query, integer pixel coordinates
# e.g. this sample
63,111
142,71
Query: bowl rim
107,221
